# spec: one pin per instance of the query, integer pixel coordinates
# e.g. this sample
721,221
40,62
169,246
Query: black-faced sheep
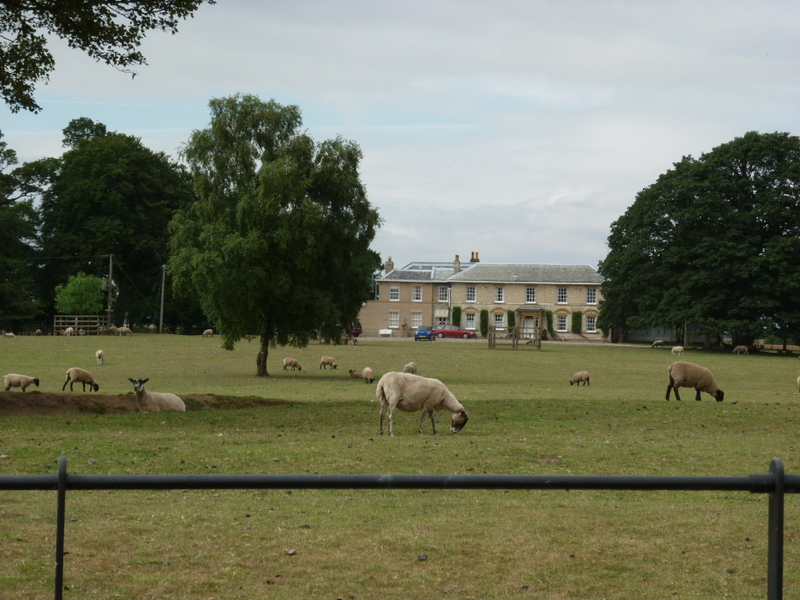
327,361
291,362
411,393
81,376
580,376
154,401
676,350
366,373
355,375
410,368
20,381
101,357
740,350
686,374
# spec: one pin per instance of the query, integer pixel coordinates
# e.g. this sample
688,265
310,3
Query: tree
107,30
456,318
714,242
83,295
278,242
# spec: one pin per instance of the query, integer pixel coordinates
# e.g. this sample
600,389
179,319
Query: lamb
291,362
410,368
327,361
124,331
580,376
366,373
411,393
80,375
101,357
740,350
20,381
677,350
69,331
658,344
354,375
155,402
686,374
9,335
208,333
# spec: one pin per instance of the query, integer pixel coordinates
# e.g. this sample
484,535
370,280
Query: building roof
528,273
422,271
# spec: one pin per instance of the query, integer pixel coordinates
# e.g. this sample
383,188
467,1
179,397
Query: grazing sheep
410,368
580,376
208,333
740,350
82,376
9,335
686,374
798,383
101,357
20,381
38,332
677,350
354,375
291,362
411,393
155,402
111,330
124,331
367,375
327,361
658,344
69,331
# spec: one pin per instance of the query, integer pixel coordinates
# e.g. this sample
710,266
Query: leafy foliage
484,323
456,316
83,295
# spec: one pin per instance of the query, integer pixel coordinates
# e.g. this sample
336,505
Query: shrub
485,323
456,316
577,322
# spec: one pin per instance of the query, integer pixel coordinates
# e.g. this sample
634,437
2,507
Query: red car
444,330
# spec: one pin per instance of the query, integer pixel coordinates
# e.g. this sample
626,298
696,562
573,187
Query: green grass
524,419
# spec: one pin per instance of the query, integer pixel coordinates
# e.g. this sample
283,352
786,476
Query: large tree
110,31
714,242
278,242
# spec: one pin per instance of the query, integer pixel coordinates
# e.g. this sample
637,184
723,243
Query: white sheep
366,373
658,344
798,383
38,332
69,331
208,333
101,357
82,376
410,368
20,381
677,350
355,375
124,331
155,402
740,350
580,376
686,374
9,335
411,393
291,362
327,361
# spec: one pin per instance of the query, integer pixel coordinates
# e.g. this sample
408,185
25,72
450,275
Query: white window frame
470,295
416,320
561,323
394,293
394,320
416,293
563,296
499,294
591,324
530,295
444,293
499,321
469,321
591,296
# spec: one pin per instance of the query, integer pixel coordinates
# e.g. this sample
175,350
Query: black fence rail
775,483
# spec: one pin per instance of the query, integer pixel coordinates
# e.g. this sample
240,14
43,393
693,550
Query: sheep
111,330
327,361
354,375
81,375
677,350
291,362
798,383
366,373
686,374
658,344
9,335
20,381
155,402
38,332
69,331
411,393
580,376
124,331
101,357
208,333
740,350
410,368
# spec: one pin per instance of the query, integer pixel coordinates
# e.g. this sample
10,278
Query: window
416,293
561,323
562,296
444,293
591,324
394,320
394,293
499,294
416,320
530,295
591,296
499,320
469,321
470,293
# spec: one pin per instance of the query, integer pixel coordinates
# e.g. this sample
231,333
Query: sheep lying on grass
580,376
355,375
740,350
81,376
686,374
101,357
327,361
366,373
153,401
20,381
677,350
410,368
411,393
291,362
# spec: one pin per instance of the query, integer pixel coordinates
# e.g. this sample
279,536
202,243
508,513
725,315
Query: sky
518,129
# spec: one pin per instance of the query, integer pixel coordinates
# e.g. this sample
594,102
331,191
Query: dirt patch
40,403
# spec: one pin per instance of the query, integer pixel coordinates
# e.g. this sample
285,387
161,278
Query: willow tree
277,244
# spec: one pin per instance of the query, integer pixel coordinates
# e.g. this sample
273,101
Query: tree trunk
263,352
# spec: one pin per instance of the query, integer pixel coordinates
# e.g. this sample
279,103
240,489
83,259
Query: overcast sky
517,129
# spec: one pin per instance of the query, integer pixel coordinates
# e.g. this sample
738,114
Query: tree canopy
107,30
278,241
715,242
82,295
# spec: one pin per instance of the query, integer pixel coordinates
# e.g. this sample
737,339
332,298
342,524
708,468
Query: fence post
60,519
775,527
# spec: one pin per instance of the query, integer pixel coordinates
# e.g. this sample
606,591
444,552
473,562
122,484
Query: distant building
424,293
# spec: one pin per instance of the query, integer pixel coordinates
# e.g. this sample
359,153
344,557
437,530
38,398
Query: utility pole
161,316
110,279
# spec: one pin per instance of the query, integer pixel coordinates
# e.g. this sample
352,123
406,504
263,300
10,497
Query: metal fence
775,483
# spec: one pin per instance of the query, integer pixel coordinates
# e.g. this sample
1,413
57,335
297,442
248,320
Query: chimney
388,266
456,265
474,258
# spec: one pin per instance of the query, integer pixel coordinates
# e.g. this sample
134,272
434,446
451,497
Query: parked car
424,332
446,330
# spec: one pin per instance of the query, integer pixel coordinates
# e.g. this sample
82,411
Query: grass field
524,419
